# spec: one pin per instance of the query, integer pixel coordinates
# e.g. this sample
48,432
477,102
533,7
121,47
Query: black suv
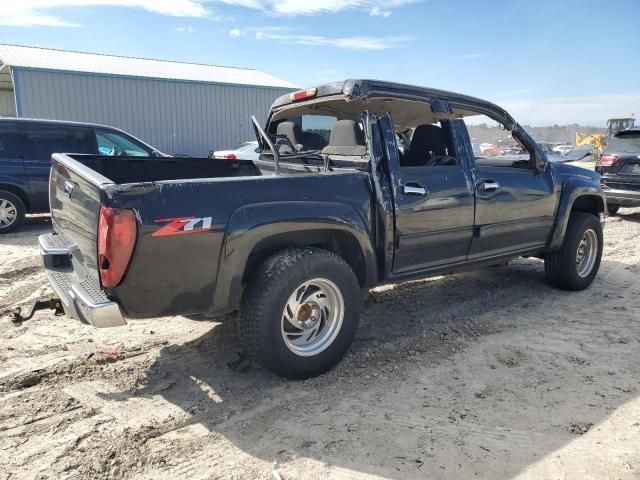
619,166
26,146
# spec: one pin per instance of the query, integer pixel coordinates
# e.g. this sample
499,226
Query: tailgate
74,196
70,253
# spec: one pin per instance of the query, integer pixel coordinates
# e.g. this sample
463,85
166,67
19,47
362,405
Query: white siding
7,104
175,116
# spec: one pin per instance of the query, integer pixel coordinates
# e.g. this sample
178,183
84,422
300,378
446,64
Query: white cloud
187,29
379,12
584,110
27,13
288,35
294,8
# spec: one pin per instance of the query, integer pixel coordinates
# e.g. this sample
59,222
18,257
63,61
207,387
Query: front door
515,203
434,204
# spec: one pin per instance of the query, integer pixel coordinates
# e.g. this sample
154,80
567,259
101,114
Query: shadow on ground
444,374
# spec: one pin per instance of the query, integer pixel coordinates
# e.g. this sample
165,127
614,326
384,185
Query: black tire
264,301
12,202
613,209
560,266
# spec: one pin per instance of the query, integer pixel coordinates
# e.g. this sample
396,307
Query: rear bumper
624,198
82,299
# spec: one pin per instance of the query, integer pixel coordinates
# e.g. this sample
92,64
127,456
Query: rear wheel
613,209
300,312
576,263
12,212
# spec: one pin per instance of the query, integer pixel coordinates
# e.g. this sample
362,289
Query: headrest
292,131
346,139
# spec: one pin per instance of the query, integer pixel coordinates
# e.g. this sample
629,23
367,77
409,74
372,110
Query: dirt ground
490,374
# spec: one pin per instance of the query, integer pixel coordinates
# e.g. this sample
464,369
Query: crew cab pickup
359,183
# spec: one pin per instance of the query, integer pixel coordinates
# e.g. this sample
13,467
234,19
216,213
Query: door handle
489,186
414,190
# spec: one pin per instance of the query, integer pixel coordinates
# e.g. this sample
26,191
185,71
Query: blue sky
547,61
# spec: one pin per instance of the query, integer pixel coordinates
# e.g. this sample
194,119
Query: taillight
608,160
302,94
117,230
230,156
604,186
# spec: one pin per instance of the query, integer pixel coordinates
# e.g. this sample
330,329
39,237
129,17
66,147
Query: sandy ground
489,374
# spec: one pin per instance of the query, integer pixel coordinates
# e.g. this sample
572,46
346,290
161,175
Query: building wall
7,104
176,117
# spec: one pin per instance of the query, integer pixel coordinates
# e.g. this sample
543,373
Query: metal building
180,108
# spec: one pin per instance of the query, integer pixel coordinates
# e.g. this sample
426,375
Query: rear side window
8,141
114,143
627,143
40,141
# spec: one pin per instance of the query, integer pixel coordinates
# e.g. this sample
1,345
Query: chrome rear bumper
82,299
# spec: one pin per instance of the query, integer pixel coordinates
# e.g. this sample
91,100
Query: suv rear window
40,141
625,142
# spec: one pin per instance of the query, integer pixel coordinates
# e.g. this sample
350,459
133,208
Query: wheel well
589,204
18,192
339,242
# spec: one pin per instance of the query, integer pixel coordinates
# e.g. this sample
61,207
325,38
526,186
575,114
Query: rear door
39,142
434,206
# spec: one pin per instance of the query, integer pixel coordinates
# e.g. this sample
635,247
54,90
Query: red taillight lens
230,156
302,94
117,231
608,160
604,186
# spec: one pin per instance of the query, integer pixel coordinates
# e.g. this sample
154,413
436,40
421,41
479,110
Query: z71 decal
180,225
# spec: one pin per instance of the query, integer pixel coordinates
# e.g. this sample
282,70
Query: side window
40,141
493,145
8,141
427,145
114,143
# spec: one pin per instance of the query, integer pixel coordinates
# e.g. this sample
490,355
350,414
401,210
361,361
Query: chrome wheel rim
8,213
587,253
312,317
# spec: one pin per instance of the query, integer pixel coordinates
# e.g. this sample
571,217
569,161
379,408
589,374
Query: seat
346,140
428,145
292,137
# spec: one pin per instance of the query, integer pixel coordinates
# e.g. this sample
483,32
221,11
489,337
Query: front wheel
300,312
576,263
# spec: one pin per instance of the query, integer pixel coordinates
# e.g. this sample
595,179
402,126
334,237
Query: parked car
619,166
26,146
294,238
563,148
244,151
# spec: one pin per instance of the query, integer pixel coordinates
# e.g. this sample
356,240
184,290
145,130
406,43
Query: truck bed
124,170
172,271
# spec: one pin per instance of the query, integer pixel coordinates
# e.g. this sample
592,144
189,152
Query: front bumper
82,298
624,198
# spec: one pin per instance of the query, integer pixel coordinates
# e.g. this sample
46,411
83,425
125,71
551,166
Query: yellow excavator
598,140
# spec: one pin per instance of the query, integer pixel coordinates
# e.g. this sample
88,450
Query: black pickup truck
359,183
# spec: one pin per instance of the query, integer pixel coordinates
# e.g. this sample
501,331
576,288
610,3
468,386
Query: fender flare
252,224
572,189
